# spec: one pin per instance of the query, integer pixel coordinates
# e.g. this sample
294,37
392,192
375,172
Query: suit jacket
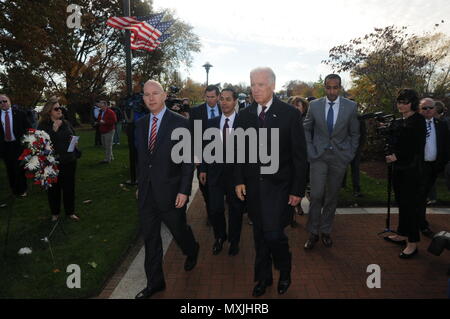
214,170
200,112
345,136
442,143
159,177
273,212
20,127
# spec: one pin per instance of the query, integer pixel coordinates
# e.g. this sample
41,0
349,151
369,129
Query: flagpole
127,13
130,120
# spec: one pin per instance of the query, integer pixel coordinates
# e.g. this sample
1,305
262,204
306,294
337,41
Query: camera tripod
389,195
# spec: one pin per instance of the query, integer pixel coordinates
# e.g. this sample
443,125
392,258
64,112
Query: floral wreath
38,158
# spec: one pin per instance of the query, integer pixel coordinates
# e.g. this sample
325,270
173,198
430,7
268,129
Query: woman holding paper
61,134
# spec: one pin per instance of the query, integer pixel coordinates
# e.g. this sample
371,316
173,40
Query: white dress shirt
335,109
268,105
231,119
13,138
431,144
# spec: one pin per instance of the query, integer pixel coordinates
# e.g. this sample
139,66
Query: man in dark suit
164,187
203,112
220,181
436,156
271,197
13,126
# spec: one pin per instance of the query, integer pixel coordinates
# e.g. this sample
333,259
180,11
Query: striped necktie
428,128
152,141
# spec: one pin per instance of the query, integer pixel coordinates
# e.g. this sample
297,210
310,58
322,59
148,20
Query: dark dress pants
430,174
16,172
65,188
205,192
224,187
175,220
408,190
271,243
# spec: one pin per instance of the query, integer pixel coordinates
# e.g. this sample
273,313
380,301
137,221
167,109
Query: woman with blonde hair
60,131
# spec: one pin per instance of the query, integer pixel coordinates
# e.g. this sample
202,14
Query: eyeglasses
427,108
57,109
403,102
4,101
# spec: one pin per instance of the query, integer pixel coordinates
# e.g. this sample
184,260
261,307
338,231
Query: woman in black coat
408,146
60,132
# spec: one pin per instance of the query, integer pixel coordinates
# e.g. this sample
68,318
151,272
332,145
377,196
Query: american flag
146,32
123,22
137,44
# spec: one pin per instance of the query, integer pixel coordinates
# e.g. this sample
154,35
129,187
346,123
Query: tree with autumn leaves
390,58
41,56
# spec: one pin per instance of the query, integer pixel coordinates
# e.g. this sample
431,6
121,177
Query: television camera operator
407,158
180,106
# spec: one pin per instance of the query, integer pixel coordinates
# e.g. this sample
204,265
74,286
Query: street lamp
207,66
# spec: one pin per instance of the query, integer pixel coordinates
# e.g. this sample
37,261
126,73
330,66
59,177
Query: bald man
13,125
164,187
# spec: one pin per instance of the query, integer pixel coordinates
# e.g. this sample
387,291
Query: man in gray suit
332,137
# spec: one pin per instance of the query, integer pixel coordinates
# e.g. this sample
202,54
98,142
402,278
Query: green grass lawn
97,243
375,193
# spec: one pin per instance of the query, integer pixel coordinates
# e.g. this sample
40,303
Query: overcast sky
290,36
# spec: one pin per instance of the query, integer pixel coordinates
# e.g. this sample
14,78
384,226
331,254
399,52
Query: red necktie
152,141
262,116
8,136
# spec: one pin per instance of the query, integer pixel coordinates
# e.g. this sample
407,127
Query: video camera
386,127
175,104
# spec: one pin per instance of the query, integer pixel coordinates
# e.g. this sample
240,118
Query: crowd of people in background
320,138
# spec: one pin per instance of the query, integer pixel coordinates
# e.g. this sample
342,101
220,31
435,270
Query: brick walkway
337,272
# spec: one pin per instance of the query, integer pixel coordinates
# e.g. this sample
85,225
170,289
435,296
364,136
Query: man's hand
102,122
391,158
294,200
137,191
240,191
202,178
181,200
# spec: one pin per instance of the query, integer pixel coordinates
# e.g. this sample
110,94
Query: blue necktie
213,114
330,118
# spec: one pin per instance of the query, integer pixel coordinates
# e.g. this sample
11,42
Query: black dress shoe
283,284
427,232
218,245
191,261
326,240
312,240
398,242
260,288
234,249
148,292
407,256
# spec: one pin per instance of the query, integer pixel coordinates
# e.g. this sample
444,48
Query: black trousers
408,190
64,188
271,247
430,174
175,220
217,191
16,172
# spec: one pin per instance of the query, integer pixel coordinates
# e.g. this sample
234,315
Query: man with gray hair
436,156
271,197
